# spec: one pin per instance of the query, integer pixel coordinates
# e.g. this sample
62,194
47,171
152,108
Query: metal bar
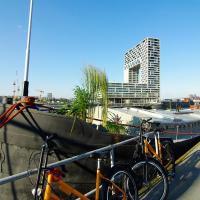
63,162
112,158
89,193
18,176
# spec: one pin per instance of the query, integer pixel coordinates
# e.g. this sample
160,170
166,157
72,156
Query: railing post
112,157
177,132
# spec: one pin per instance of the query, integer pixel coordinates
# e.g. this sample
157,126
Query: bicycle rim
151,180
124,180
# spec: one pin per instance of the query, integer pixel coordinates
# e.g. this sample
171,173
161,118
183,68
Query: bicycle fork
42,165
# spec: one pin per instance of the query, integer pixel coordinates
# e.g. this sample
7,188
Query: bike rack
30,172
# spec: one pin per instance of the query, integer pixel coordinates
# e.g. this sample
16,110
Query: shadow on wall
6,158
183,146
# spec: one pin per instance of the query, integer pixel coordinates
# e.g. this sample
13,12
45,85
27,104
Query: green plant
61,111
114,125
95,82
80,104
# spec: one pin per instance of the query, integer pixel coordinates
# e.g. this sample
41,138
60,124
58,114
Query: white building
141,85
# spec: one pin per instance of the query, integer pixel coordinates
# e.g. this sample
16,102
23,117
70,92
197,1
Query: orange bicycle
162,150
150,175
119,184
19,107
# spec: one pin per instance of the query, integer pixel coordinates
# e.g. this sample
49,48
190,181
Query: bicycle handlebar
154,129
157,124
48,141
146,120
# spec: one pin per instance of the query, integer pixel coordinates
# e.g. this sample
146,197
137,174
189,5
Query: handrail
30,172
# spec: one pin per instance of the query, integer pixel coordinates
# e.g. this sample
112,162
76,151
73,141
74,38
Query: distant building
49,96
141,85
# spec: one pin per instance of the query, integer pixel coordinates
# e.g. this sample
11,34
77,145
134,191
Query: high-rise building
141,85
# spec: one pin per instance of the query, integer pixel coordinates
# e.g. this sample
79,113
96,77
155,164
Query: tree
80,104
96,84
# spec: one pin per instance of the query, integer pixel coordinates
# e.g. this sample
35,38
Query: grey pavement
186,184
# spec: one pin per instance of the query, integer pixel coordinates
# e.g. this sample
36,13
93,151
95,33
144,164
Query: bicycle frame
9,114
147,147
159,152
17,108
55,177
149,150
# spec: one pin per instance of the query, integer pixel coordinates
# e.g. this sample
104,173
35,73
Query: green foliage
95,82
115,128
93,93
114,125
63,110
80,104
104,95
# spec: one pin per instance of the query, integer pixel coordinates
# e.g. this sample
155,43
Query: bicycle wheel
122,177
151,179
168,157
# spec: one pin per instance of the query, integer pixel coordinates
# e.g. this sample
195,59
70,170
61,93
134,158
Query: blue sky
68,35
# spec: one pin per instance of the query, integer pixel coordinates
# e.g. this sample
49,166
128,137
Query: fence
64,162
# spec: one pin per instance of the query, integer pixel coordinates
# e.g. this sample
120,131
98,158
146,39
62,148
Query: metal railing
30,172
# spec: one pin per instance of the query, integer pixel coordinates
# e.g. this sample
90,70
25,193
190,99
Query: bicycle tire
168,157
121,175
151,179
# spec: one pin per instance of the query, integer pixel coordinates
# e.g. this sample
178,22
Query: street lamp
26,69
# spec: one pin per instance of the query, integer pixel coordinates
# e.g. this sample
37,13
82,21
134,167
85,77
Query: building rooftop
162,116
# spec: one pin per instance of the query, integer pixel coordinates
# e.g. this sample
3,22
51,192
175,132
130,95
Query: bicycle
18,108
162,150
149,174
118,184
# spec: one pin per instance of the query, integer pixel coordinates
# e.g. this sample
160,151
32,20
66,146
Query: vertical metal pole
176,132
112,158
156,143
98,178
40,170
26,70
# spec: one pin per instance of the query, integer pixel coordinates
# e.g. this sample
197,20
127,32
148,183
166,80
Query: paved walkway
186,184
